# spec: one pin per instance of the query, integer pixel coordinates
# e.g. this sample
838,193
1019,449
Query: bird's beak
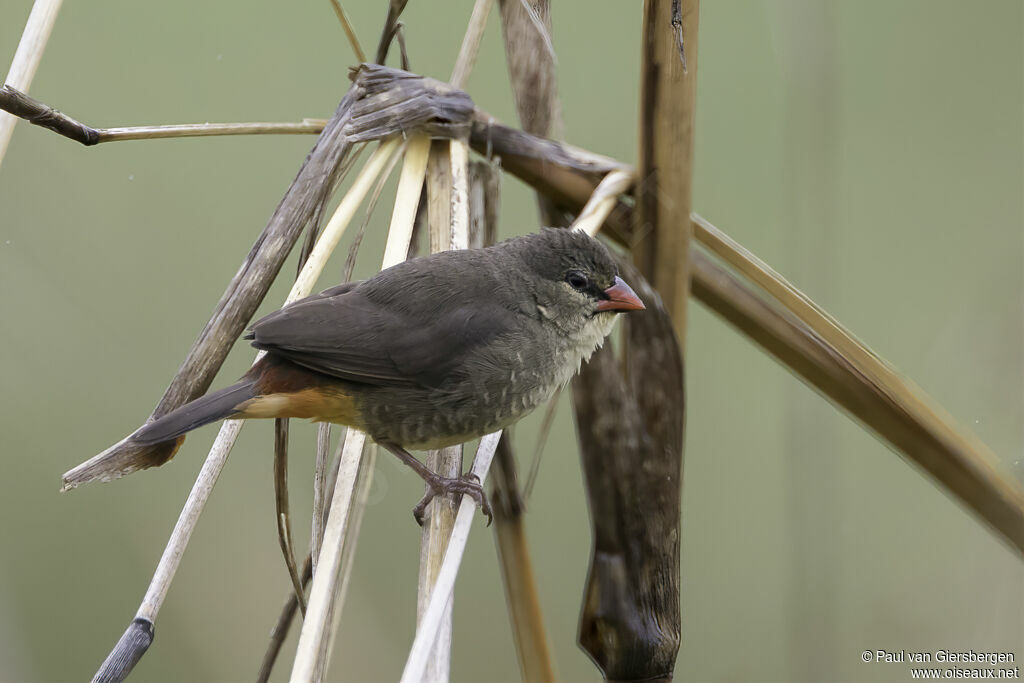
620,298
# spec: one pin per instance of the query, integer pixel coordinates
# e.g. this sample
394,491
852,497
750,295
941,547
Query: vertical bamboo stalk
26,59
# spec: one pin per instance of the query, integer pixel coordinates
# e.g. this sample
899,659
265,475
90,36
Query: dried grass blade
26,59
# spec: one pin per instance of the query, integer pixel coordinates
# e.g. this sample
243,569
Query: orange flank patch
319,404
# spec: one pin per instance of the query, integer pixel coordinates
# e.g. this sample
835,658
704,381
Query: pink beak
621,297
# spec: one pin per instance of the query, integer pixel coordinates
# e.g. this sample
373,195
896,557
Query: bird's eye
577,280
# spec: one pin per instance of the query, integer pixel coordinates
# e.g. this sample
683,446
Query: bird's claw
454,487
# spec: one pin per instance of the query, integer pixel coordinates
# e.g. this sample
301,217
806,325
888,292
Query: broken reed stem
350,32
470,43
26,59
441,597
130,648
315,627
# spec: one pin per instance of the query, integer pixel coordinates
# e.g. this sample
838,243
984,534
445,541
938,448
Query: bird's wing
392,342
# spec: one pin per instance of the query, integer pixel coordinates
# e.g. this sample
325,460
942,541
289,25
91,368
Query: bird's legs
441,486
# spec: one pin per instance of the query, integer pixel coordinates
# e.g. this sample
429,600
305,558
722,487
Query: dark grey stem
126,654
24,107
284,527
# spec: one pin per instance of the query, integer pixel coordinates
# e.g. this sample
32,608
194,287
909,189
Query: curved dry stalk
604,199
284,525
27,57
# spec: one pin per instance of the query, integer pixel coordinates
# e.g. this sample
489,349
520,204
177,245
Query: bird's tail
204,410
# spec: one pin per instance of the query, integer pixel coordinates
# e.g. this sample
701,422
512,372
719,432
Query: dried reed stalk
818,349
317,626
350,32
26,59
444,223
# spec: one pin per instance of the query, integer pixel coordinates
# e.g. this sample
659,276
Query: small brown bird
430,353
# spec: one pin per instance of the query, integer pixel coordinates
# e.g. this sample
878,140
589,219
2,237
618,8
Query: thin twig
395,8
284,525
400,39
538,448
440,599
349,31
27,57
17,103
279,633
470,43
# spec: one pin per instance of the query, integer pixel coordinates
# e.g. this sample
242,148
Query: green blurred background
870,151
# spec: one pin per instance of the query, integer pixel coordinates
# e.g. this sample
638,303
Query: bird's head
575,281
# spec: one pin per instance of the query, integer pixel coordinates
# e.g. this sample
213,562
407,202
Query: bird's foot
454,487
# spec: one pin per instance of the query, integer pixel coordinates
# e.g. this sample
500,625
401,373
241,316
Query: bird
432,352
